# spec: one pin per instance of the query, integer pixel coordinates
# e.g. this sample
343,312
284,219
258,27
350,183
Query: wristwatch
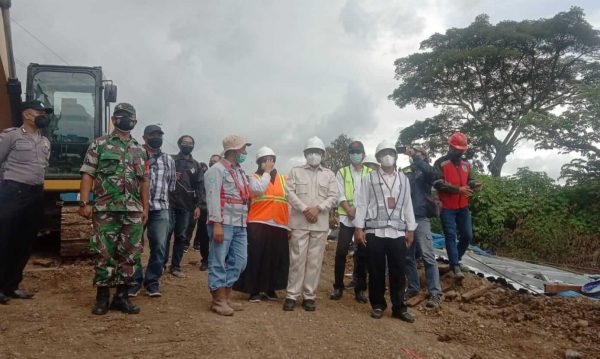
83,203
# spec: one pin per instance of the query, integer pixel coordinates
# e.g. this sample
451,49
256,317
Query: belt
235,201
24,186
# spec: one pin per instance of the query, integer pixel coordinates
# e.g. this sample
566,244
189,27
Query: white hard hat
385,145
264,151
370,159
314,142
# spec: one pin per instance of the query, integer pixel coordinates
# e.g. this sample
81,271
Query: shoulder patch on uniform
10,129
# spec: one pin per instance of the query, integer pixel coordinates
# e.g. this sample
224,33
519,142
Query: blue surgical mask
356,158
241,158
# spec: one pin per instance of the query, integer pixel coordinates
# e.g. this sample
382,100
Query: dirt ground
499,324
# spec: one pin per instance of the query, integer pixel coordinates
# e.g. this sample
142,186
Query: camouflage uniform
119,168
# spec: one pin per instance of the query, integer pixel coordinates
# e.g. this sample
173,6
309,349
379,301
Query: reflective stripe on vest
272,205
383,219
346,173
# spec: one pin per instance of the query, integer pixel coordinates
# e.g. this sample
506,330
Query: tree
337,153
492,80
576,130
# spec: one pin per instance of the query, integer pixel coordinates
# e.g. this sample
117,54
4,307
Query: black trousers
21,211
392,250
360,260
201,239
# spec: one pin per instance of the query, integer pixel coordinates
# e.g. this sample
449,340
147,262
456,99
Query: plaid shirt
162,179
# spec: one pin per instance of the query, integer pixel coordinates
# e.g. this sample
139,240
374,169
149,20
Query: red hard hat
458,140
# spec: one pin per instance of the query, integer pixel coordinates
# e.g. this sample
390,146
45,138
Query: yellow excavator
81,100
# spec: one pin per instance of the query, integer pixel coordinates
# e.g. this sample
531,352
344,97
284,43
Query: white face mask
388,161
313,159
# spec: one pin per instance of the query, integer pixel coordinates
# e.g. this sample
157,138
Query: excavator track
75,232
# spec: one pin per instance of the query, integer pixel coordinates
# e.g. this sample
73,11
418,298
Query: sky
276,72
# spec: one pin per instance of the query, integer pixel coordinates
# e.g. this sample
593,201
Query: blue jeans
180,220
157,230
423,244
456,223
227,260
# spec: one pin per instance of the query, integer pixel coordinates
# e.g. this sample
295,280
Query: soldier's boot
121,301
219,303
102,299
233,305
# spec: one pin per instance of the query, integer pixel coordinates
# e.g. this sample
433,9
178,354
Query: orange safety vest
271,205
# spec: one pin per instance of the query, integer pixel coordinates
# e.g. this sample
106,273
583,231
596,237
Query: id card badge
391,202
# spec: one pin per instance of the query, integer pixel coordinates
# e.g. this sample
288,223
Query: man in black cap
115,168
162,182
349,179
24,155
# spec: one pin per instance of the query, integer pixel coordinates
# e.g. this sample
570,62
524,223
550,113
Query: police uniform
23,161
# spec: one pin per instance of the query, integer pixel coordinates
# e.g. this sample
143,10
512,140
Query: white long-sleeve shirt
356,178
365,201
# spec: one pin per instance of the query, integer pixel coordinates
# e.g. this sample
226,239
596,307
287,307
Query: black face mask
155,143
455,154
186,149
41,121
125,124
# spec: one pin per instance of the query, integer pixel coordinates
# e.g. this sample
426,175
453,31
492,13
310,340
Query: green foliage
490,79
530,216
337,155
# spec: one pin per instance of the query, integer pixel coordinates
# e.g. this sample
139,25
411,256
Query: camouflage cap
124,107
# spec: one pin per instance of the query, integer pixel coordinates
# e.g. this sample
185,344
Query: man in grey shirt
24,155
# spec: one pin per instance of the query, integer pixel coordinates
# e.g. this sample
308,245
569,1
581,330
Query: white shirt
356,179
366,202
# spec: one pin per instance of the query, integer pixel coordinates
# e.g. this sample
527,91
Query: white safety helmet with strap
370,159
264,151
385,145
314,143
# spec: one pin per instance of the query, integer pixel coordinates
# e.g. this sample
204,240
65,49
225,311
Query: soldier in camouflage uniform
115,166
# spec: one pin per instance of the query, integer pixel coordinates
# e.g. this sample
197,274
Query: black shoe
361,297
121,301
19,294
377,313
404,316
410,294
271,295
336,294
254,298
309,305
102,298
433,301
4,299
289,304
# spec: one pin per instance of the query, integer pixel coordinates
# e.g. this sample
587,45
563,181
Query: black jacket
189,191
421,176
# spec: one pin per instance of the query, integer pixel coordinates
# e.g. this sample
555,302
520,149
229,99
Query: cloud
276,72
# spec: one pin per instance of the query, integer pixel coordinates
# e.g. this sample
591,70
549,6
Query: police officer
24,155
116,167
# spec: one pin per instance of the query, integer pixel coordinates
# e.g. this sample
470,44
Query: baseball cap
356,146
124,107
153,128
36,105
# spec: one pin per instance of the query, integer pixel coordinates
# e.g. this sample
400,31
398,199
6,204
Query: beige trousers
306,257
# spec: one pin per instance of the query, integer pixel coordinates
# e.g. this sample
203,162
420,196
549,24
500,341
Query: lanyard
244,192
390,214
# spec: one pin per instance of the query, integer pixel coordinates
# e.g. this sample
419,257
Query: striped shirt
162,179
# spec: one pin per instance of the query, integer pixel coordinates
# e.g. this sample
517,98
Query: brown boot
219,303
233,305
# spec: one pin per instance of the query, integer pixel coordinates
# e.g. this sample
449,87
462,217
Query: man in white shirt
385,224
348,180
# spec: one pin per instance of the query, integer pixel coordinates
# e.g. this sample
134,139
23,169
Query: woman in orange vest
268,251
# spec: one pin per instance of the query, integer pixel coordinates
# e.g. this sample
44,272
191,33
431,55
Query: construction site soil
477,320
